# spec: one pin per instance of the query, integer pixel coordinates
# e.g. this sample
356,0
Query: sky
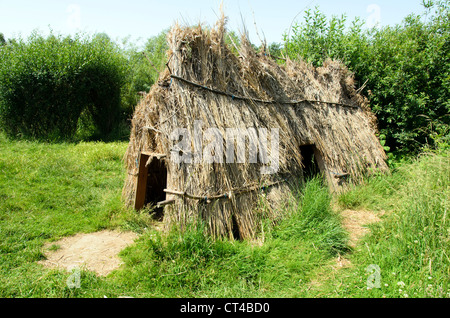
139,19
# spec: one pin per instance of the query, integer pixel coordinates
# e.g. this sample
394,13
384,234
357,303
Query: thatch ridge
341,126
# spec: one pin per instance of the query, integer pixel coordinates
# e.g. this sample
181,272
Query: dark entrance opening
156,183
309,161
236,234
152,180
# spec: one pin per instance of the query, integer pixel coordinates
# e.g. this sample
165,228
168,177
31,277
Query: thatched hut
294,117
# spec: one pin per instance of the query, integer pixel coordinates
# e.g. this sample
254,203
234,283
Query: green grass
411,245
190,264
50,191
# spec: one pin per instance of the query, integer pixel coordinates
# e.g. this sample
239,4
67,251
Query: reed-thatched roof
205,82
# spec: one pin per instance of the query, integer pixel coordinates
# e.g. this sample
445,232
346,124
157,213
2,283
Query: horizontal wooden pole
341,175
228,195
164,203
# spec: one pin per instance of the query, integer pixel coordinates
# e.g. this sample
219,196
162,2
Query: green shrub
47,83
406,68
143,69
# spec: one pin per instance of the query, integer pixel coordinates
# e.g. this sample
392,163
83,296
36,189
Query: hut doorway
156,183
152,180
310,161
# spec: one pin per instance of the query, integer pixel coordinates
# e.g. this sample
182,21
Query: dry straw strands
309,106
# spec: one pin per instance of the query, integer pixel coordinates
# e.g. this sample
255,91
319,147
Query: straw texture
206,82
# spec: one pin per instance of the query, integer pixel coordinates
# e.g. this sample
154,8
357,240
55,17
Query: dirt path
355,222
94,251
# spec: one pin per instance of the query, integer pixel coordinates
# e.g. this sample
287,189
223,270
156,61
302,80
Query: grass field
50,191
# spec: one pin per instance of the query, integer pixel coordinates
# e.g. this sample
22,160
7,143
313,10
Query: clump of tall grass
312,218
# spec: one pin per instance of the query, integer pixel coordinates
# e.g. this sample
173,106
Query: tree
406,68
143,68
47,83
2,39
155,52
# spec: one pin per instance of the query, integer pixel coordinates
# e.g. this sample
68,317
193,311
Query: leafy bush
143,69
47,83
406,68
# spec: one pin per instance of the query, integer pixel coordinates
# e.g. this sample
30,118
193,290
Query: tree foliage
52,87
142,69
406,68
47,83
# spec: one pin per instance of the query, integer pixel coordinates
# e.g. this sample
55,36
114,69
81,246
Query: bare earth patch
355,222
94,251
